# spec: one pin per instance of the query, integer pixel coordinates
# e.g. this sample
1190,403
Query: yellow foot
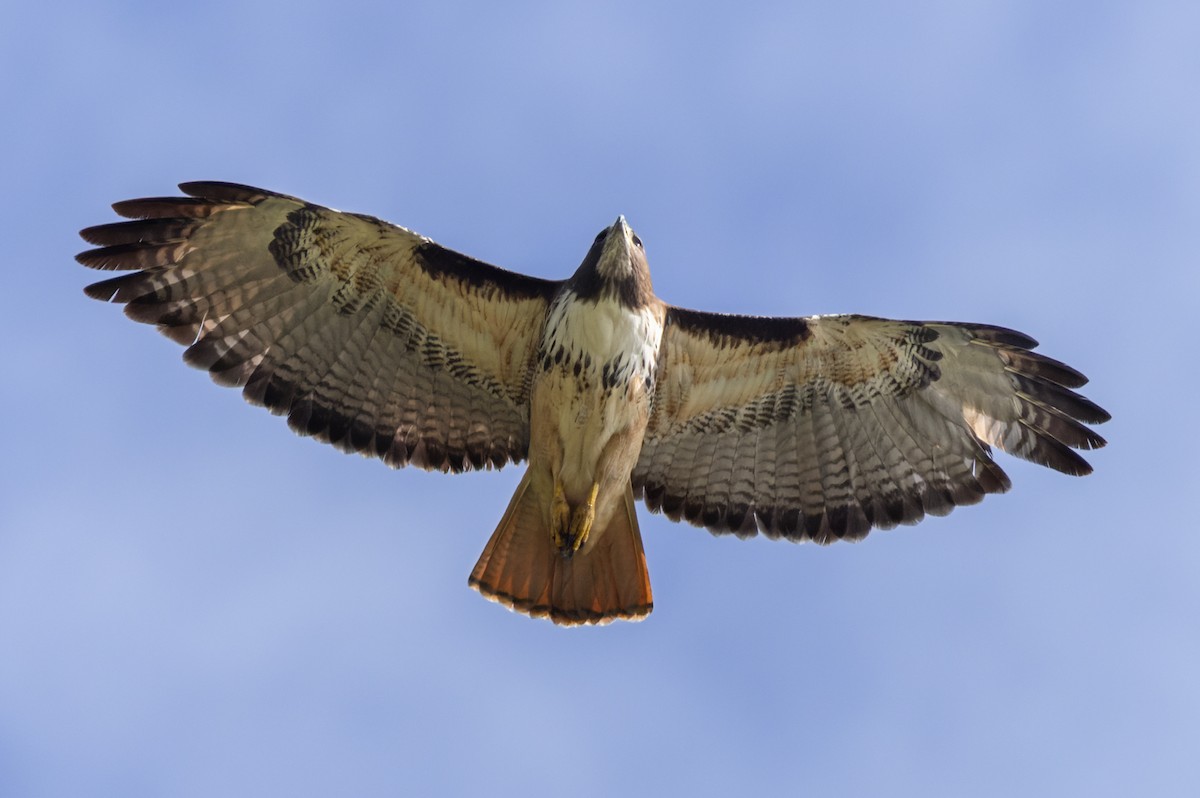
581,520
560,516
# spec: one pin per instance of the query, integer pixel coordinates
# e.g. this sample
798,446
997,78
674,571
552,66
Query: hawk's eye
637,242
600,236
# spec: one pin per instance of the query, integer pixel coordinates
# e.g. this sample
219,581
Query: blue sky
193,601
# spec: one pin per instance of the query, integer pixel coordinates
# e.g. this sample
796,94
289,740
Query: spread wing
822,428
366,335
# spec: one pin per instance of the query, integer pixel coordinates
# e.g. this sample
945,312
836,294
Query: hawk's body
590,403
379,341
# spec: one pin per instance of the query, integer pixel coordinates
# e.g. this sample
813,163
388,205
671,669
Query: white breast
604,333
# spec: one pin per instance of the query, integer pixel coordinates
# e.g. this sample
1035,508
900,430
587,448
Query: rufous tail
522,569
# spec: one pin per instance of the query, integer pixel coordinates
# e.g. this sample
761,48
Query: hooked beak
619,236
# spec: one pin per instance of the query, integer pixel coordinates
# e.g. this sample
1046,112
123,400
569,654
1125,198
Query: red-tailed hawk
379,341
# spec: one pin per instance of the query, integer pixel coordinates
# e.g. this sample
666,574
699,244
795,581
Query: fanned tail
523,570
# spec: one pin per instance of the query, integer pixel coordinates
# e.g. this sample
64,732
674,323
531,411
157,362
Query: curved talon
581,521
570,529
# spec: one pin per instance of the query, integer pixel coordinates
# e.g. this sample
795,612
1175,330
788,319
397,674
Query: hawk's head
615,268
